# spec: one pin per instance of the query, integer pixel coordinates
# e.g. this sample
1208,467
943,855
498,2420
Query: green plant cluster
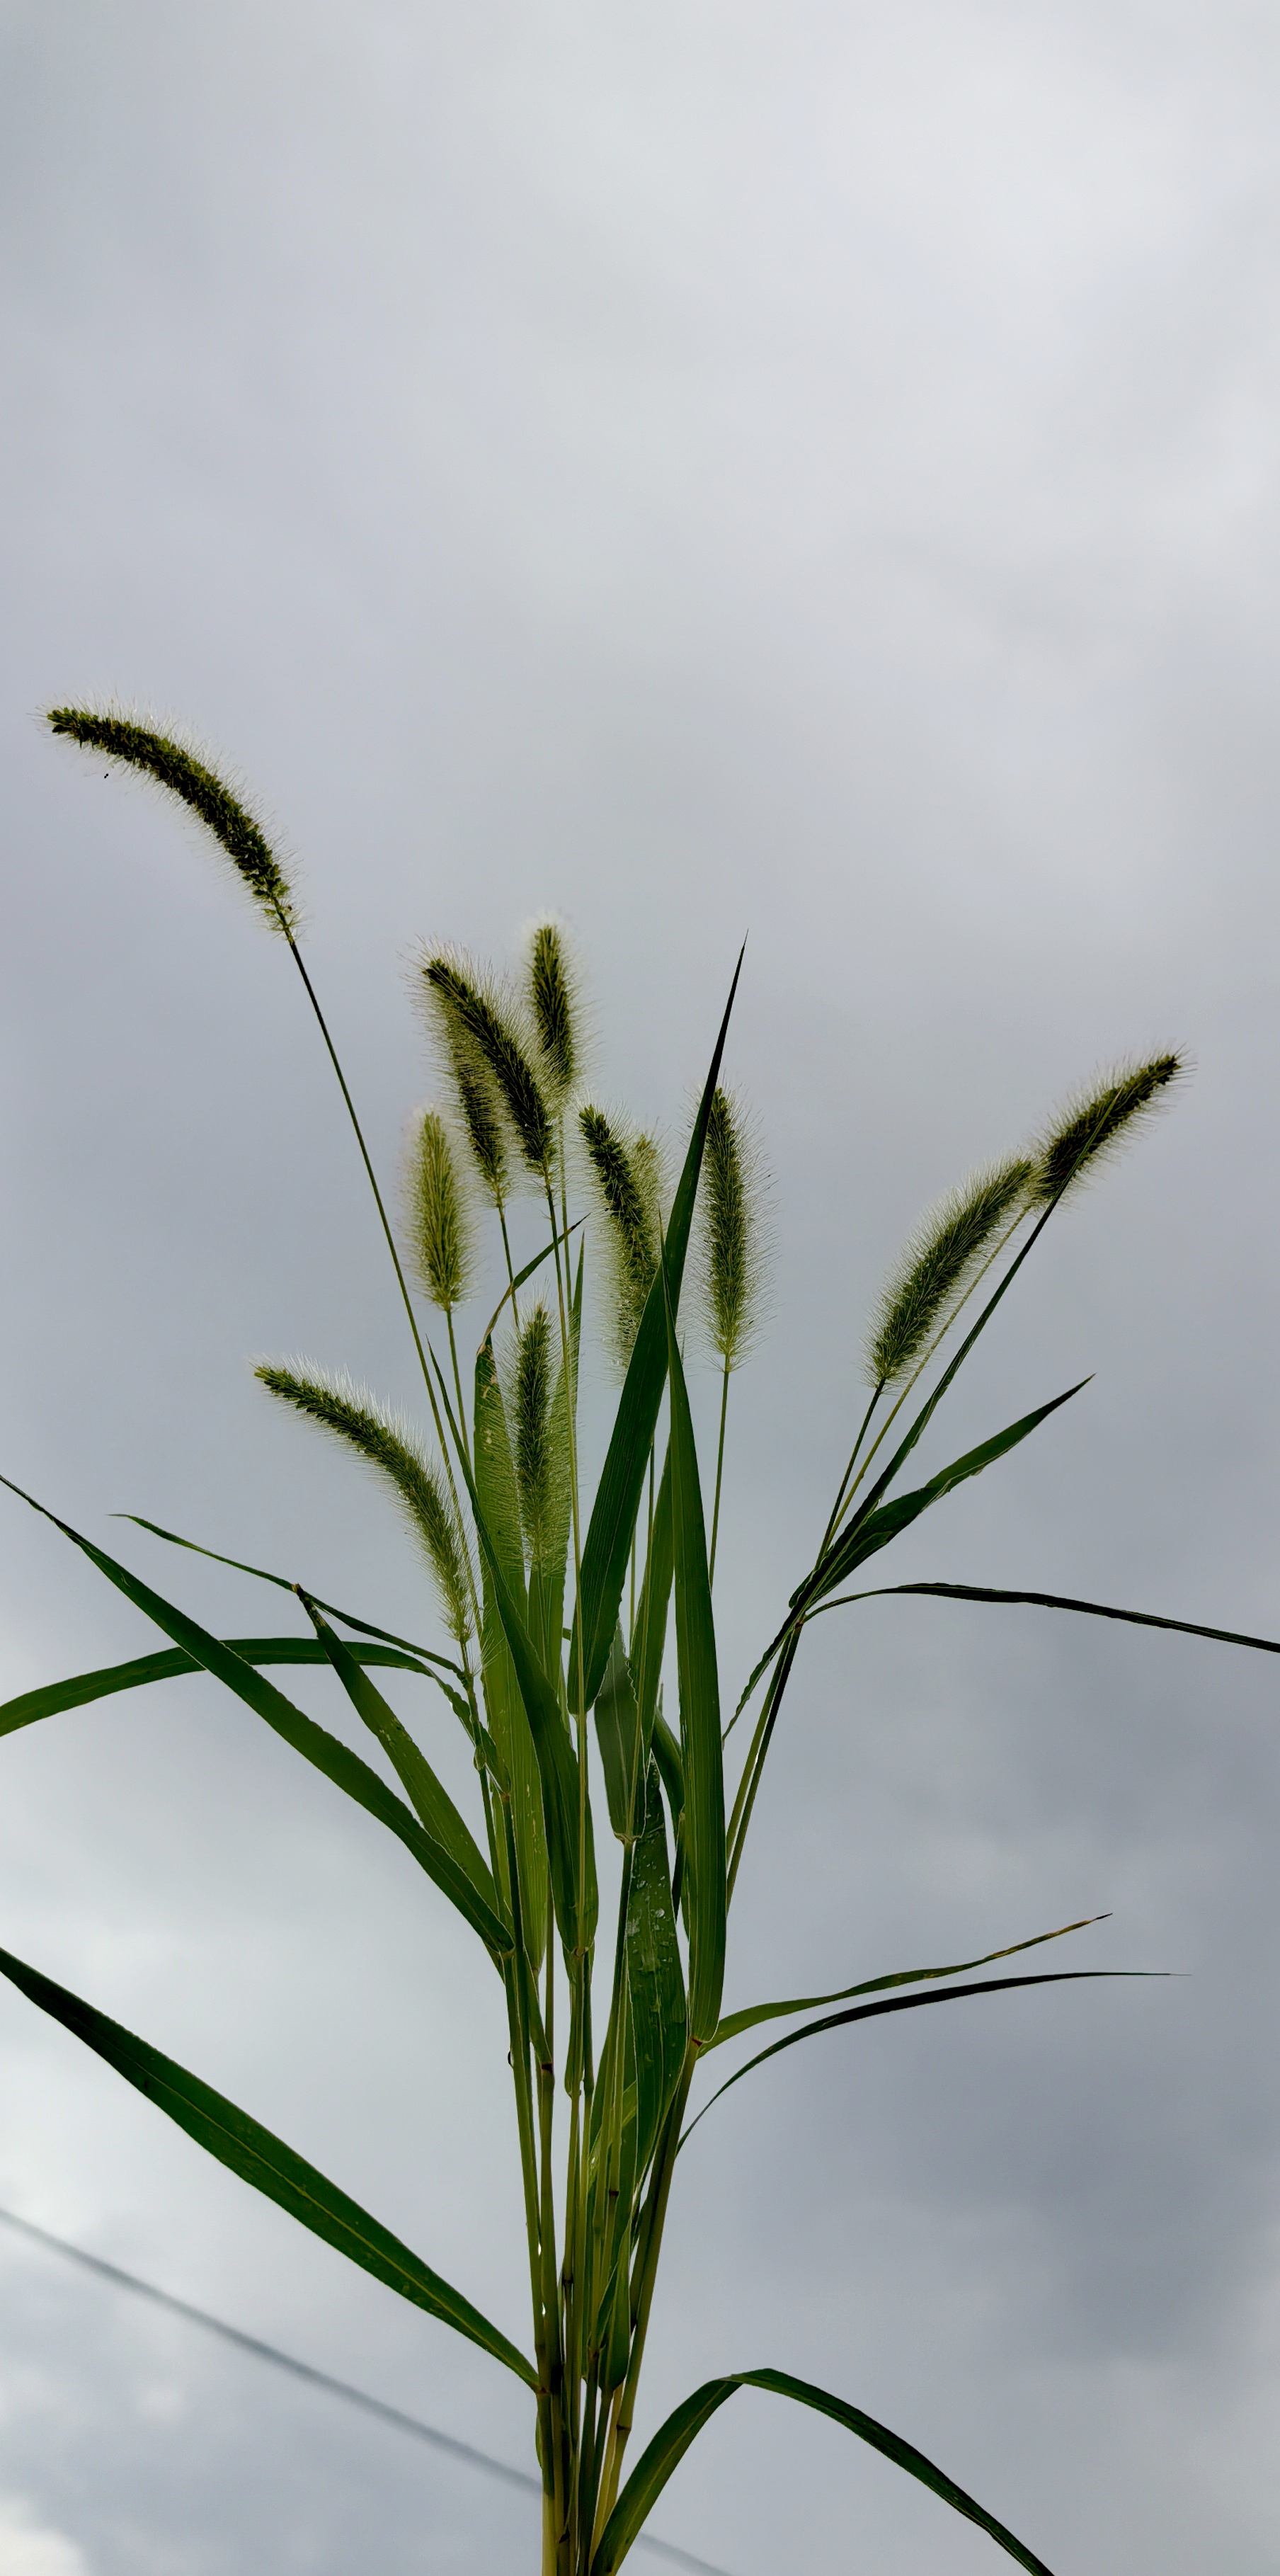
580,1656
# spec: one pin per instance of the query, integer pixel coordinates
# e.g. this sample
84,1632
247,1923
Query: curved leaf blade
1060,1601
263,2160
913,2003
734,2024
170,1664
686,2421
283,1583
338,1764
865,1537
460,1871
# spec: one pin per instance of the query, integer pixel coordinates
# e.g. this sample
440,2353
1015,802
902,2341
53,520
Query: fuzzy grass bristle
531,1423
627,1174
731,1228
478,1024
939,1263
554,1002
389,1446
1093,1124
439,1218
180,771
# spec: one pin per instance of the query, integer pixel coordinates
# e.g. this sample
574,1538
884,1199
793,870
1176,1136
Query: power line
323,2379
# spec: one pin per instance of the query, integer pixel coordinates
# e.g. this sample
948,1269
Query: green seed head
389,1446
939,1263
531,1413
439,1219
555,1007
1093,1123
479,1026
732,1247
627,1177
179,770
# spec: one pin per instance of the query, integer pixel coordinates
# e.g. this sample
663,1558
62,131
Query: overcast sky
713,469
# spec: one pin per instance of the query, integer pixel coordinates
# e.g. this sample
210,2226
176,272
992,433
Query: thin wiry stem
372,1177
838,1505
457,1380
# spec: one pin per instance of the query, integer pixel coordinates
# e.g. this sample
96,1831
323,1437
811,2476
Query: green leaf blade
81,1689
734,2024
701,1741
911,2003
655,1980
864,1537
241,2143
686,2421
324,1751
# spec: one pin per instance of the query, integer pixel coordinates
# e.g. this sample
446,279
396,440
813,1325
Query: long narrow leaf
613,1517
872,1530
170,1664
344,1768
242,2144
865,1537
285,1583
686,2421
914,2003
658,2014
734,2024
701,1744
1057,1601
460,1870
557,1767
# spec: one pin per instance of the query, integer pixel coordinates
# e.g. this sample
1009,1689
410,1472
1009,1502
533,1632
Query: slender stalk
715,1516
643,2288
401,1282
838,1505
506,1246
750,1780
457,1381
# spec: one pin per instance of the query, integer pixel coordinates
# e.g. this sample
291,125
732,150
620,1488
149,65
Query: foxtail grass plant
575,1646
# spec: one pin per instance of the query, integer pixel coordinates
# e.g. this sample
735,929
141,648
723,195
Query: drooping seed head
439,1219
182,773
555,1007
627,1178
479,1024
939,1264
731,1225
1092,1124
388,1445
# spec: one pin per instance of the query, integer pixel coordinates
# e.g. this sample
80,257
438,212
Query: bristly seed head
553,1000
628,1181
731,1228
439,1218
185,776
390,1446
1094,1122
532,1415
477,1026
938,1266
